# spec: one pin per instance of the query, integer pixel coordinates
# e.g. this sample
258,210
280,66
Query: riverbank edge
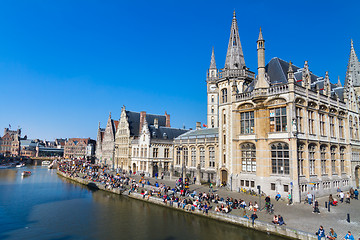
228,218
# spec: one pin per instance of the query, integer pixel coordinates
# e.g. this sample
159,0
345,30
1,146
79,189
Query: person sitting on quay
332,234
332,201
275,220
217,209
253,217
320,233
281,220
278,196
349,236
245,215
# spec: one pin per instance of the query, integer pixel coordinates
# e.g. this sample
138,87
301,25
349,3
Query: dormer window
164,135
154,134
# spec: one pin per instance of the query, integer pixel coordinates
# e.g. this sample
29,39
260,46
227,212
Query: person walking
316,207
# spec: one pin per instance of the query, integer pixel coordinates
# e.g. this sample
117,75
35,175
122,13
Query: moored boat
25,173
20,165
45,163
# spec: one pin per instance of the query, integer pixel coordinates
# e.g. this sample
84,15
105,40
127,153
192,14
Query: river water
46,206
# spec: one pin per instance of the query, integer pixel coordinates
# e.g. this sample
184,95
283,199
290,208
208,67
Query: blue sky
64,65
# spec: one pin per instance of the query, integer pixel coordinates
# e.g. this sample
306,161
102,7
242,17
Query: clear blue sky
64,65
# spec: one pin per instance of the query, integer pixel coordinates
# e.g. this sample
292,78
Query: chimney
142,119
198,125
167,119
156,123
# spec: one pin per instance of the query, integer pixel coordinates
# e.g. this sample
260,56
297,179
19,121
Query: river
46,206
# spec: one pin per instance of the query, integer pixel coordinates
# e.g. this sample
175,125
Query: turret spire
353,67
261,80
339,82
260,35
290,74
234,56
213,62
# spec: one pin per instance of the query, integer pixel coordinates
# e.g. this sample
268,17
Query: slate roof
200,133
134,121
277,70
165,132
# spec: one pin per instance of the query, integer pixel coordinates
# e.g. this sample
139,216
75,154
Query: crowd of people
181,196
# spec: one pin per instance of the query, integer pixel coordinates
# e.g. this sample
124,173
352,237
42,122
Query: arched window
323,159
202,157
342,159
312,159
351,127
333,159
224,95
280,158
178,156
248,157
211,157
301,159
193,157
185,156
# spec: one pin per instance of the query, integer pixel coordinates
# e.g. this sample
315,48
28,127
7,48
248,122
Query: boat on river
45,163
20,165
25,173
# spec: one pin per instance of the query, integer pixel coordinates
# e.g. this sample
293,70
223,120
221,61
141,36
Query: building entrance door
224,177
155,169
134,168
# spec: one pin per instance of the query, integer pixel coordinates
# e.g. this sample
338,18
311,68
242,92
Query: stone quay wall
229,218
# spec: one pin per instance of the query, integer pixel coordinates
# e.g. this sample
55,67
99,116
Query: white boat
25,173
45,163
20,165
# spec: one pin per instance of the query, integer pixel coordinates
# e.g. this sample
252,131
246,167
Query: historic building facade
105,147
286,130
10,142
79,148
195,154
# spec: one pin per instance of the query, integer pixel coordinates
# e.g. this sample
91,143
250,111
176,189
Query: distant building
79,148
10,142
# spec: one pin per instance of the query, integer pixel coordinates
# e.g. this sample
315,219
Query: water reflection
45,206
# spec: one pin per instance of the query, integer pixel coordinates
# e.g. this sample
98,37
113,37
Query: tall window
299,118
341,127
280,158
332,126
247,122
185,156
178,156
248,157
356,135
311,122
224,95
322,124
211,157
278,121
323,159
333,159
193,157
212,109
166,153
301,159
155,152
224,117
342,159
212,98
202,157
312,159
351,127
224,139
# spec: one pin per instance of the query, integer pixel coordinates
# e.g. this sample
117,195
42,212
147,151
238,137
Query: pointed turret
234,56
261,80
306,76
353,67
213,62
327,86
290,74
339,82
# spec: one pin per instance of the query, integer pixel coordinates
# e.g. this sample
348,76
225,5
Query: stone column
198,175
160,169
151,168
